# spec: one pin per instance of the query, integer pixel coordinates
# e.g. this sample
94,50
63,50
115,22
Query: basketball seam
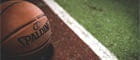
8,7
38,48
21,28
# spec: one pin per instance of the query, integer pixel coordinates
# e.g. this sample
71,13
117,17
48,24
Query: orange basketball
24,28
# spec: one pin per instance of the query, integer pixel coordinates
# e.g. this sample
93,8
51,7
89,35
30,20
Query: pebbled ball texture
24,28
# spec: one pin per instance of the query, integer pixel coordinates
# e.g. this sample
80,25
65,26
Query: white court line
80,31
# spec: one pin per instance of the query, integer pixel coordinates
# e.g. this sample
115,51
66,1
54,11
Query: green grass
112,22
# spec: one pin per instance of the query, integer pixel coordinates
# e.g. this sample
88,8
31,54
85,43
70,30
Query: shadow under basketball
46,54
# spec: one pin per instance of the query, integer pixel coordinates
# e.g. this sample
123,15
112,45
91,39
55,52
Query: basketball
24,28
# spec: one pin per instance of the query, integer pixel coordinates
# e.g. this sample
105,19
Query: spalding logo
28,39
36,25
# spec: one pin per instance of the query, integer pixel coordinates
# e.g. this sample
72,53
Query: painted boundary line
80,31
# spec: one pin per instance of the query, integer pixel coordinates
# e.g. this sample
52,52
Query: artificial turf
113,22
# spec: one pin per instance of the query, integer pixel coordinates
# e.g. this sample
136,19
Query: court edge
81,32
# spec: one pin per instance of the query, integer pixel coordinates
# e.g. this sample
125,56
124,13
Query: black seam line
21,27
38,48
7,8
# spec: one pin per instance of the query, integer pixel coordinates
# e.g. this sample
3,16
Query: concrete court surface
66,45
